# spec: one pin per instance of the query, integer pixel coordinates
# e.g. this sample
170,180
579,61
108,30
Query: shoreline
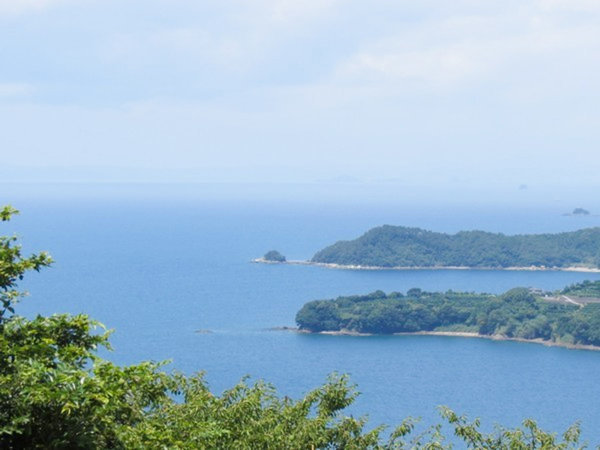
499,337
359,267
461,334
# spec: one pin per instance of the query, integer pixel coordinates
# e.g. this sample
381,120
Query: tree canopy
586,288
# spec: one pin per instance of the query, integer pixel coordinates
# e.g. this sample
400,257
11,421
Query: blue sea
157,264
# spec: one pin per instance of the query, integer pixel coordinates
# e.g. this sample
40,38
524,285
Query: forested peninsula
570,317
402,247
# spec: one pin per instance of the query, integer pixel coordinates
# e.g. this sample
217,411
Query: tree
54,390
13,267
274,256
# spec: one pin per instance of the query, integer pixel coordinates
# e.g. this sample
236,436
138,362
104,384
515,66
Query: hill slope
396,246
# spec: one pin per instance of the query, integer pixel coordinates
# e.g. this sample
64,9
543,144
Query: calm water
157,271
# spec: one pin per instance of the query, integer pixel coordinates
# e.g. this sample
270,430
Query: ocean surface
158,268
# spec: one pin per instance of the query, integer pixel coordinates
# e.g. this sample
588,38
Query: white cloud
26,6
8,90
439,65
167,45
239,38
524,43
592,6
377,85
289,11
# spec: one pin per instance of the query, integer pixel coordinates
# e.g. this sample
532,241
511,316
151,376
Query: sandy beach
465,334
359,267
460,334
497,337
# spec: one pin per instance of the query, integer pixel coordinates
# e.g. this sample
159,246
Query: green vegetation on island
274,256
396,246
517,314
57,392
585,289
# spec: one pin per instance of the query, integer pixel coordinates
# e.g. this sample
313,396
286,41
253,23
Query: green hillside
395,246
515,314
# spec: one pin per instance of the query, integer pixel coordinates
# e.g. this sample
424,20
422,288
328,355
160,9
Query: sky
425,93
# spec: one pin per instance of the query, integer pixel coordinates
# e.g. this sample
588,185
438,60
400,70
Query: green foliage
13,265
255,417
56,392
274,256
391,246
529,436
590,289
515,314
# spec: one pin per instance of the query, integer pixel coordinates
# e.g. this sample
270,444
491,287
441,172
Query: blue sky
437,93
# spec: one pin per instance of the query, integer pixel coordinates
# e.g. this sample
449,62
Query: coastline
359,267
461,334
499,337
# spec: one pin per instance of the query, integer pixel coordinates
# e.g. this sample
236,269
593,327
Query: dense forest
586,289
57,392
394,246
516,314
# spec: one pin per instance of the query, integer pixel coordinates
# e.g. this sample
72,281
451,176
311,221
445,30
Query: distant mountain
397,246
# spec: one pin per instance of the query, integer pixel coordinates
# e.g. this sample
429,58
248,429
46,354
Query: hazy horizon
429,94
330,195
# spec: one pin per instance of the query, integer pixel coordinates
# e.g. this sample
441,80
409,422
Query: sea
169,269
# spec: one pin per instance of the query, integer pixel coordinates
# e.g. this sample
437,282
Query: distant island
403,247
272,256
570,317
580,212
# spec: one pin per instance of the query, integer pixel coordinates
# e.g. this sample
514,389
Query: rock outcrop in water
274,256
